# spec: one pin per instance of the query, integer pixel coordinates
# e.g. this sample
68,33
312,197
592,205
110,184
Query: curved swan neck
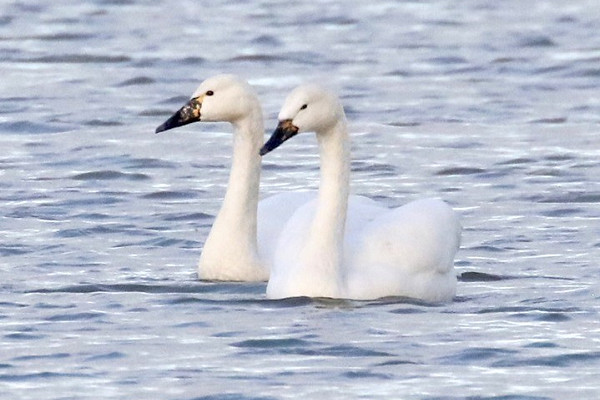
231,244
334,149
327,230
241,198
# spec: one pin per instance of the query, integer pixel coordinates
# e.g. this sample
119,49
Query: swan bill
284,131
187,114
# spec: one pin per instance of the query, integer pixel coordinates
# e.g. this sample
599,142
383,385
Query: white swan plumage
351,247
241,243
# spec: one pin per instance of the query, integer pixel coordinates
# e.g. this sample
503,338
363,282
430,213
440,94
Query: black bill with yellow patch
187,114
284,131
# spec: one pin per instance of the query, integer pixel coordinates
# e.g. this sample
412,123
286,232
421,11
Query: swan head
222,98
308,108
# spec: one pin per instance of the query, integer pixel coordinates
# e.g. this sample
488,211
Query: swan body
236,249
343,246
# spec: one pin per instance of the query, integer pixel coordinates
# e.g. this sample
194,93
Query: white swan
235,249
353,248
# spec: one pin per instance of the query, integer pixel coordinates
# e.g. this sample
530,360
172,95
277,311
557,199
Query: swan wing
420,236
407,251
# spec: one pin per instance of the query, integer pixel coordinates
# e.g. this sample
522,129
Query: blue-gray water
492,105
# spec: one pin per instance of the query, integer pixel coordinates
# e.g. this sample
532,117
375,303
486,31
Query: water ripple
24,336
31,127
146,288
460,171
194,216
171,195
76,316
473,276
59,37
536,41
572,197
14,250
561,360
140,80
42,356
102,229
113,355
109,175
77,59
477,355
306,348
101,123
233,396
42,376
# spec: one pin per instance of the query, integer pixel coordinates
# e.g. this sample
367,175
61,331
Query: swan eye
303,106
210,93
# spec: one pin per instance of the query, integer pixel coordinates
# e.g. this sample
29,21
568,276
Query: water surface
493,106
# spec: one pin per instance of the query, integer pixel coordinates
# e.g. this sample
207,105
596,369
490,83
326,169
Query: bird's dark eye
304,106
210,93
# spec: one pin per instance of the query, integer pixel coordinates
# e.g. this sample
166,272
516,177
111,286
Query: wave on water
109,175
306,347
77,59
140,80
33,127
198,288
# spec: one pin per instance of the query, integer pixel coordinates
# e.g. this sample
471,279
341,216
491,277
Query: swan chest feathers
303,267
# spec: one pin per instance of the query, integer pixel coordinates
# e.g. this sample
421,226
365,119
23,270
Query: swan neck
327,231
239,208
335,167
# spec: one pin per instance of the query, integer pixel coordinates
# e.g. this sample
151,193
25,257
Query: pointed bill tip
173,122
264,150
160,128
